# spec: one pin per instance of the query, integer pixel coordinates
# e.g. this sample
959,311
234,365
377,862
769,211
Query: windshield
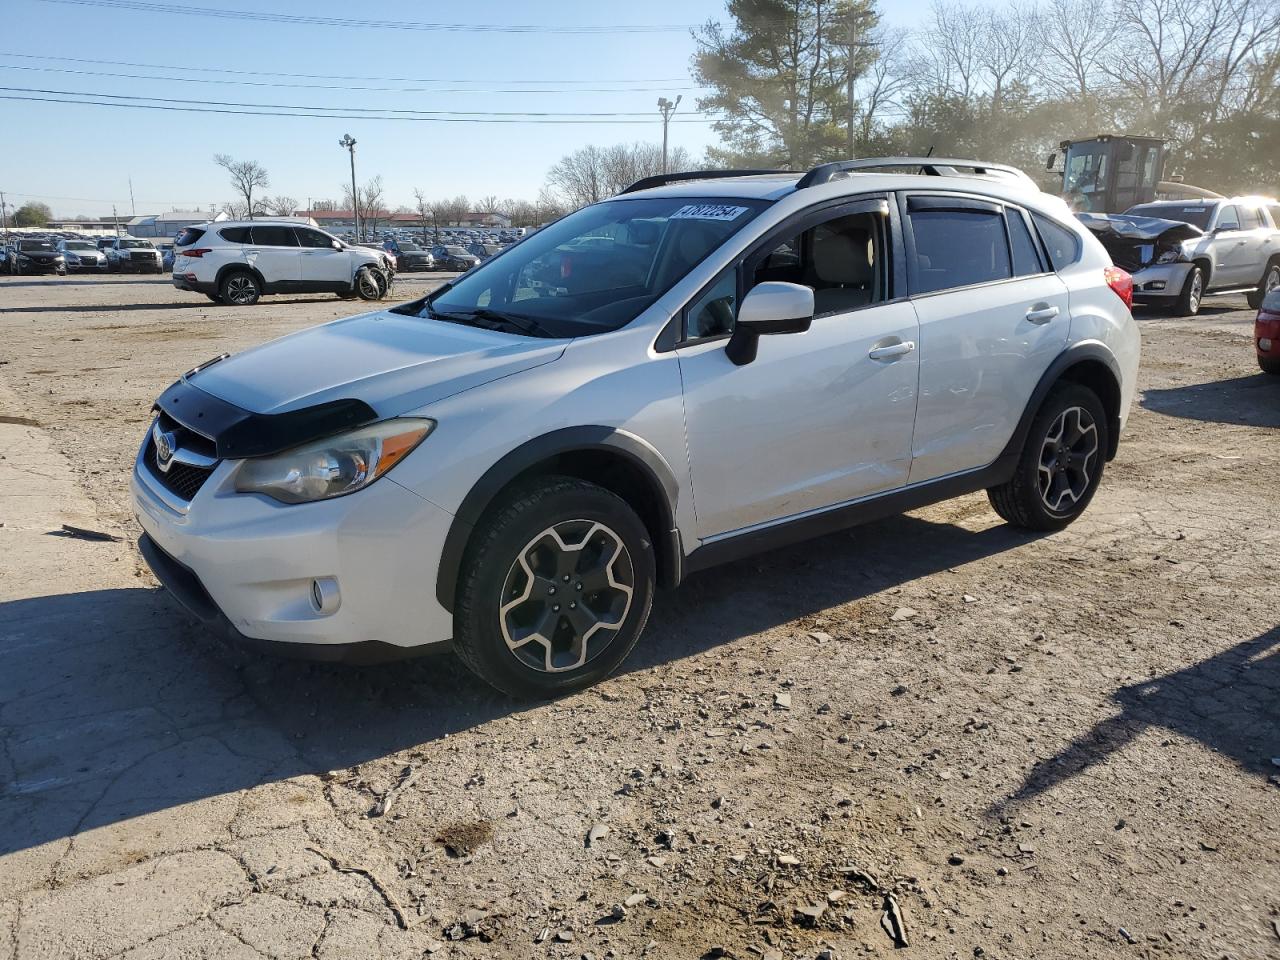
1084,178
80,245
408,245
136,245
35,245
1198,215
597,269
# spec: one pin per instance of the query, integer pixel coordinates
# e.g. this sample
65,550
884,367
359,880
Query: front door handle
1042,314
892,351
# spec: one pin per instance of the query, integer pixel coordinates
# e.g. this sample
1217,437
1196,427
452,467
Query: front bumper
1160,281
245,565
87,266
35,267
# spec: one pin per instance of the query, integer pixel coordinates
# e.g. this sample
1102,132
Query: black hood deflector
237,433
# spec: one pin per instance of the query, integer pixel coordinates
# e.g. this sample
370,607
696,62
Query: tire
239,288
1270,281
504,644
1269,365
370,284
1049,496
1188,302
214,297
346,294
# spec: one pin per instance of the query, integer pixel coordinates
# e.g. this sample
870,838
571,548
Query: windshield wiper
525,325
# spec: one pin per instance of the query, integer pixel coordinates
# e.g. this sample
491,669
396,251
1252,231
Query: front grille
182,479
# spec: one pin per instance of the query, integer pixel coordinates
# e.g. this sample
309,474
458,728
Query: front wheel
558,586
1061,462
1270,281
1188,302
371,284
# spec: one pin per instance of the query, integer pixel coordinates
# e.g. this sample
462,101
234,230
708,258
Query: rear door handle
892,351
1042,314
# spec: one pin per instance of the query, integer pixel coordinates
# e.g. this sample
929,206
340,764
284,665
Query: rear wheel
558,586
240,287
1269,364
1061,462
1270,281
1188,302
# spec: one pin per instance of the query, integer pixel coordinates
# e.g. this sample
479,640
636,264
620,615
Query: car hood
1149,229
85,254
393,362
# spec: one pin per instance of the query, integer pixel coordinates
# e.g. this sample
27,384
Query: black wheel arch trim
240,267
636,451
1086,351
238,433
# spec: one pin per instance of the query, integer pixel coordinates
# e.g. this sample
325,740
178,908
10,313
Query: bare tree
247,176
880,89
424,209
367,203
280,206
489,204
593,173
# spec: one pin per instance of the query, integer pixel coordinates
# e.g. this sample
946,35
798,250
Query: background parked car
82,256
37,255
131,254
450,257
1266,333
409,255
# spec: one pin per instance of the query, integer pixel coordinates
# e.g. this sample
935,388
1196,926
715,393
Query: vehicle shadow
5,282
1252,400
201,303
1229,702
115,704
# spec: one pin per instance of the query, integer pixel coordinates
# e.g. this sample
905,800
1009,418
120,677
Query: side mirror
770,308
337,244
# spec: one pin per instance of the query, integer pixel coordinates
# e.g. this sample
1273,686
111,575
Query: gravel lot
1030,746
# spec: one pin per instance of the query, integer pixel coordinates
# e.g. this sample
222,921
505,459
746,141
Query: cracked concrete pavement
1065,750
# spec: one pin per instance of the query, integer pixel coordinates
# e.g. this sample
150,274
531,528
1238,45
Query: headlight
334,466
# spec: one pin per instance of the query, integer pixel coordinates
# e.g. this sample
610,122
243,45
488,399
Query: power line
346,23
320,110
190,68
320,86
325,116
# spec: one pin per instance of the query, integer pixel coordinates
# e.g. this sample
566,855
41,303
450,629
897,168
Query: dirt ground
1020,746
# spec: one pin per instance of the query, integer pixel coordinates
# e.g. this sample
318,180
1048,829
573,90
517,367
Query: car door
1228,248
273,250
993,316
1256,247
324,266
818,418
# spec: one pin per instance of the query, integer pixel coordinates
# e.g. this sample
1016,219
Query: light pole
349,142
666,108
4,220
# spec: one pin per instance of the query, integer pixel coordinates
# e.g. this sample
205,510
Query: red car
1266,333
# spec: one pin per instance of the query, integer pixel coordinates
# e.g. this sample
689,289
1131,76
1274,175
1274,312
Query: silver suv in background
704,367
237,262
1182,251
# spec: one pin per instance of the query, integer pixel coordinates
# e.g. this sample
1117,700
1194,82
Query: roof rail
662,179
929,166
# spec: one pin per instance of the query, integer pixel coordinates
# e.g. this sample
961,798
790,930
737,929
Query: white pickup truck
129,253
1182,251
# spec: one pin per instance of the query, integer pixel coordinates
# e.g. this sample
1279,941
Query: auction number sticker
708,211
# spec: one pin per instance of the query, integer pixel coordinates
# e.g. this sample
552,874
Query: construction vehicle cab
1110,174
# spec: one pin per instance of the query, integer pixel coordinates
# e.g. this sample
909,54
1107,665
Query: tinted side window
1063,245
956,248
188,236
274,237
312,238
1026,258
1250,219
234,234
714,312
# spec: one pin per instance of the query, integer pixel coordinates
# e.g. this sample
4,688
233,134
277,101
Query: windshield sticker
708,211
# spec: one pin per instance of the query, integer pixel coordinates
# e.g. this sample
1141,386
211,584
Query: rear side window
188,236
1250,219
234,234
1026,258
1063,245
958,248
274,237
1274,210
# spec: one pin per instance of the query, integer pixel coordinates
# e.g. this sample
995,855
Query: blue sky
79,158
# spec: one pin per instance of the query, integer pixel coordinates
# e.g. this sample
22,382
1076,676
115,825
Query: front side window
313,239
838,258
958,248
596,269
1228,219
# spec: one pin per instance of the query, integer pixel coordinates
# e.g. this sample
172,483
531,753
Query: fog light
1264,344
1155,285
324,596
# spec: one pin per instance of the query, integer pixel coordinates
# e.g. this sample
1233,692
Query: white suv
706,366
237,262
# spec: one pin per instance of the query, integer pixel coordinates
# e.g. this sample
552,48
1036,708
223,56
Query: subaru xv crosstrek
701,368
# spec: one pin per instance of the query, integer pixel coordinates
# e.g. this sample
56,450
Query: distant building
168,224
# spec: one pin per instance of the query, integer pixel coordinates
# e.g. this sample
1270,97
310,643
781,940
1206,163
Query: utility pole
115,219
349,142
666,108
4,220
852,45
133,206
